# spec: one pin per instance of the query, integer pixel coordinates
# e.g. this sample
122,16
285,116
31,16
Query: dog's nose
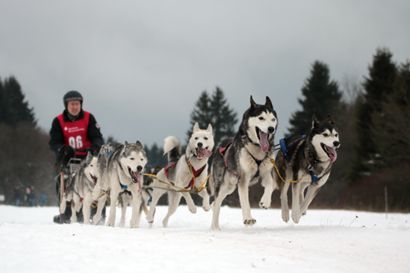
139,168
271,130
336,144
200,144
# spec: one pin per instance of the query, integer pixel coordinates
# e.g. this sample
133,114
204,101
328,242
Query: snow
324,241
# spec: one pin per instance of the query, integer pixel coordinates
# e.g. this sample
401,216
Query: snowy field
324,241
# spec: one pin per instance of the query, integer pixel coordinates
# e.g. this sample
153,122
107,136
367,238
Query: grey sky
141,65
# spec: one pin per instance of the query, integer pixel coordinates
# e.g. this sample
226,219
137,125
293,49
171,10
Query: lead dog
244,160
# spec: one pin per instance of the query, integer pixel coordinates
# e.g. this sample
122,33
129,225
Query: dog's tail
172,148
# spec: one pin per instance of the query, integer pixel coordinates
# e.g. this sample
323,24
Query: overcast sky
141,65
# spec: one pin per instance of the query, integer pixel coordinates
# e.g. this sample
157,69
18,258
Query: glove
66,151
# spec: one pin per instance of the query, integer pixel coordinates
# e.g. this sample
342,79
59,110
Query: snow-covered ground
324,241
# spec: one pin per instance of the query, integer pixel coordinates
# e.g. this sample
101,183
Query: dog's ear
196,127
139,145
209,129
89,157
268,104
126,143
315,122
253,103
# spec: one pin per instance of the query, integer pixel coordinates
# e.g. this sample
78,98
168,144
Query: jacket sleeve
94,135
56,137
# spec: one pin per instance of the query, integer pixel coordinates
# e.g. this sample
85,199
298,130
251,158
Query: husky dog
185,172
244,160
123,172
85,180
99,194
305,162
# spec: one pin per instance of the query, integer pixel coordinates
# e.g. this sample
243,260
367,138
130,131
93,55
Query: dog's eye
132,158
336,135
273,119
142,159
325,134
205,138
261,118
196,138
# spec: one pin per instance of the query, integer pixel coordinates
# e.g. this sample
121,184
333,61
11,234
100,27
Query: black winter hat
72,95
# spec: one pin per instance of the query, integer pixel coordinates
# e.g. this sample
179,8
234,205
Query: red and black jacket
81,133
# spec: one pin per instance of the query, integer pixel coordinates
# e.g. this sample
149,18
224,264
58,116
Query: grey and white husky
85,180
123,172
306,162
244,160
185,172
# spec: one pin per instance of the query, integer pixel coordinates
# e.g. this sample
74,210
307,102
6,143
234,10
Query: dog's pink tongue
264,141
332,154
204,153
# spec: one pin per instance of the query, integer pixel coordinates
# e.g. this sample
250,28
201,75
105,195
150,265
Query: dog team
116,174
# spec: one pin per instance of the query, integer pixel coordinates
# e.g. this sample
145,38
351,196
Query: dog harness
195,174
75,133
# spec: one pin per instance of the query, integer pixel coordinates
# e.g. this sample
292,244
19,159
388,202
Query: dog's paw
134,225
206,208
215,227
285,216
192,210
295,218
249,222
165,222
263,205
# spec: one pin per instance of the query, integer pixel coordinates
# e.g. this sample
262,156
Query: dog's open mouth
263,140
330,151
201,153
135,176
94,178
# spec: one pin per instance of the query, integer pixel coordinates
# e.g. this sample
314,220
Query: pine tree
391,131
223,117
321,97
377,88
201,113
15,108
214,110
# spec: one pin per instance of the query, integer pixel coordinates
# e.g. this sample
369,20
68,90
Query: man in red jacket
73,133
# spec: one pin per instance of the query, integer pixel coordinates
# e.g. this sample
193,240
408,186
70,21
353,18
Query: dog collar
123,187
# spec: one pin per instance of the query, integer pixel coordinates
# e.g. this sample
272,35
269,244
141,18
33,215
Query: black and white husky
305,162
184,172
244,160
123,172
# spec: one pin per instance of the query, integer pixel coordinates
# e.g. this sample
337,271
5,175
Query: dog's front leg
243,191
156,195
189,202
205,199
100,206
74,205
113,203
172,207
269,186
296,192
310,195
136,209
87,208
124,206
284,202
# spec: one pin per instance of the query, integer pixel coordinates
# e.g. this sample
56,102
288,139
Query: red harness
195,174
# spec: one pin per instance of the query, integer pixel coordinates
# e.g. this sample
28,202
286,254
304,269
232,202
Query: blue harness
284,149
